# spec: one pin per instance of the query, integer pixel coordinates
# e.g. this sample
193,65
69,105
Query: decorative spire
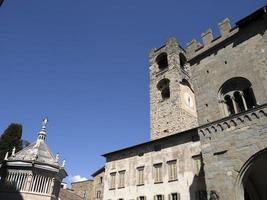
42,133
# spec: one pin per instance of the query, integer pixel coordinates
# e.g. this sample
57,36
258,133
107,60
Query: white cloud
77,178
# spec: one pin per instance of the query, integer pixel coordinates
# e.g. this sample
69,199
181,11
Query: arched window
236,95
183,60
162,61
164,88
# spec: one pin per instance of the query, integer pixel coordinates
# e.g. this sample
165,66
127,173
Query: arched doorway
253,179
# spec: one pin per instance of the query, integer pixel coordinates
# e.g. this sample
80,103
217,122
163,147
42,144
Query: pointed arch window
236,95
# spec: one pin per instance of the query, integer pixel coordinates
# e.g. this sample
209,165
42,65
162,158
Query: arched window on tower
164,88
236,95
162,61
183,60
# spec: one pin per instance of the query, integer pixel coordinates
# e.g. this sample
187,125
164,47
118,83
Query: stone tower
172,101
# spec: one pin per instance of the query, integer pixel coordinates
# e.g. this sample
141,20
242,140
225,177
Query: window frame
158,173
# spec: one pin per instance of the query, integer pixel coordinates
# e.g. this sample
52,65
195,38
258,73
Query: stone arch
164,87
236,95
251,182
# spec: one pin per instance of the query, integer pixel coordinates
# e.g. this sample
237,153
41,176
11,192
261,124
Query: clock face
188,100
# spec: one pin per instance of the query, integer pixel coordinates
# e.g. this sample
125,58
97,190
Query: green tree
9,139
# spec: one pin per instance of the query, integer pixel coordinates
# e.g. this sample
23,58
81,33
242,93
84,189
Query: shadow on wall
9,192
198,188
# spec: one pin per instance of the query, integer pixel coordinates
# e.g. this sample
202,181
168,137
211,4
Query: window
159,197
121,179
236,95
172,170
183,60
98,194
101,179
162,61
174,196
112,180
158,173
164,88
140,176
142,198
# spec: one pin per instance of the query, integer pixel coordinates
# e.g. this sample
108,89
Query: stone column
243,99
52,186
234,104
29,182
224,107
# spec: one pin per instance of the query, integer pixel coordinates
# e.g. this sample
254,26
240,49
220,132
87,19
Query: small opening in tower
164,88
162,61
183,60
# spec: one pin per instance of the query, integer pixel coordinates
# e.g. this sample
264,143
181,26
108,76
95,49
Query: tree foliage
11,138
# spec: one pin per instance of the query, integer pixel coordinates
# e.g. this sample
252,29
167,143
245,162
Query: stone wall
98,186
179,147
169,116
241,52
84,189
226,147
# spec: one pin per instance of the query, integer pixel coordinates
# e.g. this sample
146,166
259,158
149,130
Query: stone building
83,189
68,194
208,121
33,173
98,184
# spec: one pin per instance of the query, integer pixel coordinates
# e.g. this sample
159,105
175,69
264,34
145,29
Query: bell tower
172,101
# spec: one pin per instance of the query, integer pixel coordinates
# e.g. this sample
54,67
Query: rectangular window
142,198
121,179
172,170
98,194
159,197
112,180
158,173
174,196
140,176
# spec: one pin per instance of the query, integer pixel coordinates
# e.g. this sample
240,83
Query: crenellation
225,27
194,48
191,47
207,37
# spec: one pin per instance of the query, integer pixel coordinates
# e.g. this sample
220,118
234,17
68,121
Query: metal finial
42,133
45,122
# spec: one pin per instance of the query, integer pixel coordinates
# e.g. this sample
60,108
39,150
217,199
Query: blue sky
84,64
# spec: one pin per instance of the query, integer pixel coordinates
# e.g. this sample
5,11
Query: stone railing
233,121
